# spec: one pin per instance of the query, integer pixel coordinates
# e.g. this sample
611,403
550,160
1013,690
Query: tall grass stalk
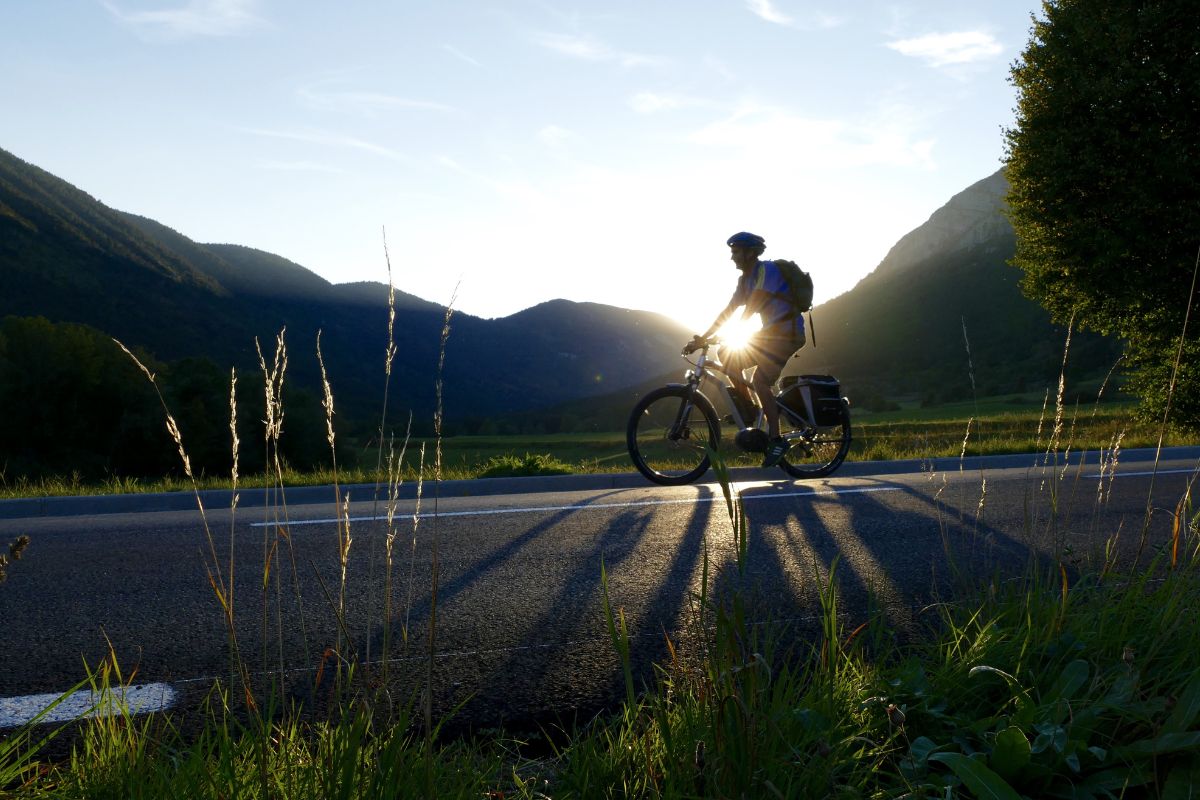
235,661
1187,316
222,588
434,564
392,476
390,532
412,556
344,646
275,512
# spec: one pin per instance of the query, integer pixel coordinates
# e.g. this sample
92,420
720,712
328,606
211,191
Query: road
520,630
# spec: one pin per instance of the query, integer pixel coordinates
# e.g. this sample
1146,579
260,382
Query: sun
736,332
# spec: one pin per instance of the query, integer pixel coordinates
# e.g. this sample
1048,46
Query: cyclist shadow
567,669
448,590
798,551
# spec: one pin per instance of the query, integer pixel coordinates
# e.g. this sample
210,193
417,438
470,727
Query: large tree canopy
1104,167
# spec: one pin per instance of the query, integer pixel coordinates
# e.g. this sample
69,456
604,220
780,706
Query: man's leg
762,386
770,364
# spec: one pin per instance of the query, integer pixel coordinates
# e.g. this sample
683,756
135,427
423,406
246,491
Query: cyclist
761,289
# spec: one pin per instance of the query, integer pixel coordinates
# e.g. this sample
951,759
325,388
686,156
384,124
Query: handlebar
700,343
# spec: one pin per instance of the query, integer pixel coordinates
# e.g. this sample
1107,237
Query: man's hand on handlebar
695,344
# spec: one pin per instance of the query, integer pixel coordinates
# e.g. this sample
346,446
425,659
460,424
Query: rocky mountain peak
971,217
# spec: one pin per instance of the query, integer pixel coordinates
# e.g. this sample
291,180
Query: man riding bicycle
762,289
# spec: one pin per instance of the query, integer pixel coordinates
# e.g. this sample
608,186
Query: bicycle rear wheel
817,452
668,432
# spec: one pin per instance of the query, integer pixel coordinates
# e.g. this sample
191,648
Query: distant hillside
69,258
903,331
905,327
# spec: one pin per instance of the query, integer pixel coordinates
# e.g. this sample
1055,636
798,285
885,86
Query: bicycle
672,430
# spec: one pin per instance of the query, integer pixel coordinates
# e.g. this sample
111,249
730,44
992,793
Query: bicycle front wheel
816,452
668,435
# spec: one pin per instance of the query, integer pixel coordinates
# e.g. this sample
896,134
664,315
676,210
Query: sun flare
736,332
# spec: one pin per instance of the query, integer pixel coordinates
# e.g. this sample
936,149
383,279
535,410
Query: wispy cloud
766,9
515,189
653,102
816,20
588,48
366,103
461,56
298,166
555,136
327,139
195,18
946,49
781,139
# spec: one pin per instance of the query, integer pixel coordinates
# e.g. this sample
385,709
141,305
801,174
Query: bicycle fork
679,428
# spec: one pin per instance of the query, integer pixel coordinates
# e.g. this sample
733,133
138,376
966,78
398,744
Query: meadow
990,426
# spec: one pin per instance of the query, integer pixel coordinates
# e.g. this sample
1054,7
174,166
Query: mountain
903,331
940,318
943,309
69,258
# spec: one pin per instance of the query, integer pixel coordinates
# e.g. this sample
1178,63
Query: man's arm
722,317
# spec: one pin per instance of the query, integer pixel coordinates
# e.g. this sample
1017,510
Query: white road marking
587,506
139,699
1146,474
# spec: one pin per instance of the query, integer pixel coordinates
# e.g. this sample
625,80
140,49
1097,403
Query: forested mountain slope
69,258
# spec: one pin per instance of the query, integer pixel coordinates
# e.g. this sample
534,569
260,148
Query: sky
516,151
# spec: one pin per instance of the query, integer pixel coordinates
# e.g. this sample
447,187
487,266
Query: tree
1104,167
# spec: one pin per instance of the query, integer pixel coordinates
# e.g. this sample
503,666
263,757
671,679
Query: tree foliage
72,403
1104,167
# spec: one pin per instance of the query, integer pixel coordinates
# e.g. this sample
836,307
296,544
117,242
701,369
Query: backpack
800,285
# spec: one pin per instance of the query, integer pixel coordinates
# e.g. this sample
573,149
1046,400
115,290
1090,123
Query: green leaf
1050,736
1160,745
1011,753
921,748
1073,676
982,782
1186,709
1183,782
1115,780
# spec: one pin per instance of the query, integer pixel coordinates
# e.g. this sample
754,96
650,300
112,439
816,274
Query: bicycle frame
703,367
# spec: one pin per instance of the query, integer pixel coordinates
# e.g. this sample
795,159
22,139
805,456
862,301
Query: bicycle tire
828,446
663,458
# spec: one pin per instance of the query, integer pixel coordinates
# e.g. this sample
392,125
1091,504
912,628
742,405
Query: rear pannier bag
812,399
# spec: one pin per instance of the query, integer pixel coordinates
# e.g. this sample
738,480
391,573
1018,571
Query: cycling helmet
744,239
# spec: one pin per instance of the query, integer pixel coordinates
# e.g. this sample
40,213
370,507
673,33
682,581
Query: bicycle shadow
565,668
943,554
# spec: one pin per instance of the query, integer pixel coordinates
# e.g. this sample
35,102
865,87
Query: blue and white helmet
744,239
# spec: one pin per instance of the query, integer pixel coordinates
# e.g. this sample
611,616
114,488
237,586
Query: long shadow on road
565,667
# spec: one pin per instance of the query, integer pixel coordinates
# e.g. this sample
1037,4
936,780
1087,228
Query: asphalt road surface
520,629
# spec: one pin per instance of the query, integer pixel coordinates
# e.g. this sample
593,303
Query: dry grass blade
222,587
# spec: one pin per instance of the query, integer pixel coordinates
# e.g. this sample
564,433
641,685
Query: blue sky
521,150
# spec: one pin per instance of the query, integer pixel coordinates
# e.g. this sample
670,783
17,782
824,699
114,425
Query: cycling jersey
775,307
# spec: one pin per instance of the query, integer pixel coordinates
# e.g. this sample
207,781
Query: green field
990,427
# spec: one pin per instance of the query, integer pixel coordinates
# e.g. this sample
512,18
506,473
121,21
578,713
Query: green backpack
800,285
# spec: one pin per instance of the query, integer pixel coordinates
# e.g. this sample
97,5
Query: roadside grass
1032,686
909,434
